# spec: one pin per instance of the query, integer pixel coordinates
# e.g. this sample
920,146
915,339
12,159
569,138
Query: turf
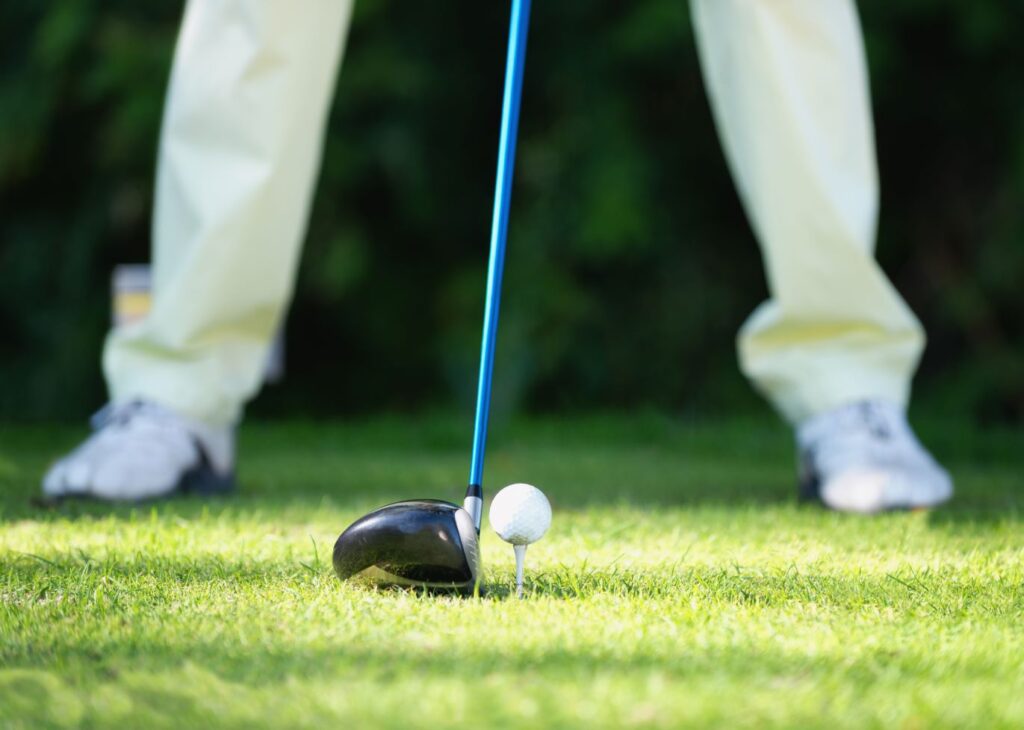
681,584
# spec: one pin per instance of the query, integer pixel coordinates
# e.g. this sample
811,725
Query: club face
423,543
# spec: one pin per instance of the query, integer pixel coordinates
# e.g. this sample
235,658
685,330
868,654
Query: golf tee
520,562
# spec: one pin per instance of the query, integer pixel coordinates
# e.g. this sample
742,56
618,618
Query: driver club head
424,543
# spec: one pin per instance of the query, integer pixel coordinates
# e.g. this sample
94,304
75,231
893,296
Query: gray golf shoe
141,450
865,458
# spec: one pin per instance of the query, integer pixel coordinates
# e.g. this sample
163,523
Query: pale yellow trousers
239,154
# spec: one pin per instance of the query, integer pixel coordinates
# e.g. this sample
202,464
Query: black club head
419,543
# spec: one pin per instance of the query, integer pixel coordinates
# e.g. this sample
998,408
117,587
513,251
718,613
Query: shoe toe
867,491
138,451
944,487
132,477
927,487
54,483
861,490
77,476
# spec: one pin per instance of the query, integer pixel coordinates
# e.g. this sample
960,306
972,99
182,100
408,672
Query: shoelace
869,419
877,420
122,414
865,432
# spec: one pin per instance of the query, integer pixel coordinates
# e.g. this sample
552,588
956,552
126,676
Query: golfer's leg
238,156
835,347
246,108
788,85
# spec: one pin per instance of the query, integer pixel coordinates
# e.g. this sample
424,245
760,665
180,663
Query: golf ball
520,514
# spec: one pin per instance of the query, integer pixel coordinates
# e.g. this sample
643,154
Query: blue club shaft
499,235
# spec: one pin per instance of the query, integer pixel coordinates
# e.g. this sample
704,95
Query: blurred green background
631,264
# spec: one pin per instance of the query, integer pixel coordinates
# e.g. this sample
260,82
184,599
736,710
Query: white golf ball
520,514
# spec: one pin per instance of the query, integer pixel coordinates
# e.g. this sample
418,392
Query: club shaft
499,235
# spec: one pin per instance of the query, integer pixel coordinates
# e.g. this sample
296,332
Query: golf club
431,543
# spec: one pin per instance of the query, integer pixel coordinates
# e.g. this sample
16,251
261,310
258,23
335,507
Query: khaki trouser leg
788,85
240,148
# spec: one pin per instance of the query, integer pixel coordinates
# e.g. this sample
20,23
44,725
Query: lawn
680,584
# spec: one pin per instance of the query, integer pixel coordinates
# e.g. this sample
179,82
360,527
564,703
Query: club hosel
474,504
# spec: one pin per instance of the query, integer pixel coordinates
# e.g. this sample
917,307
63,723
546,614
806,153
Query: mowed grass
680,584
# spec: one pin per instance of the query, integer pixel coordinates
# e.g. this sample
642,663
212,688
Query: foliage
680,585
631,265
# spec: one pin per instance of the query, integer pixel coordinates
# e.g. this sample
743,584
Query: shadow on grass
985,498
645,460
976,505
288,470
981,517
356,503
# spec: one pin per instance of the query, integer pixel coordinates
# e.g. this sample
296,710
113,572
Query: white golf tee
520,562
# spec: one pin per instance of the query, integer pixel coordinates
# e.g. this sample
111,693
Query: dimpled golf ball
520,514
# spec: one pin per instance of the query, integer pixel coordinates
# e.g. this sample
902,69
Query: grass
681,584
